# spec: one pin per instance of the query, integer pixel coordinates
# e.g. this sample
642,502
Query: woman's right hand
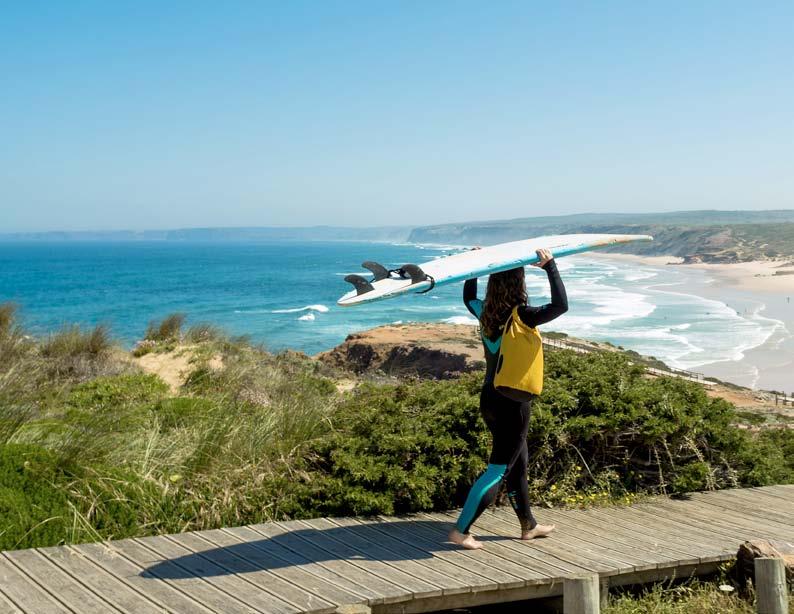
544,256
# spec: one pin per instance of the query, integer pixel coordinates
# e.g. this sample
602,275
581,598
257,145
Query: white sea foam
307,317
460,320
320,308
640,275
726,333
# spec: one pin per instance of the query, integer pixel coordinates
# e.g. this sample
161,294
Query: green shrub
394,449
112,393
657,434
34,508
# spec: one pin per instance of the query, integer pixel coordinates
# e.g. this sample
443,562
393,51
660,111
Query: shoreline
749,287
768,276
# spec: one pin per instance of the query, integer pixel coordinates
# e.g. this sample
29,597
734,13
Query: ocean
283,295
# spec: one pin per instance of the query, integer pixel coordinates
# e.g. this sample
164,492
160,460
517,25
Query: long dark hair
505,290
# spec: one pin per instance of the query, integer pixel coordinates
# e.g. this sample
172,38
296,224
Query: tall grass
167,329
127,458
13,341
693,596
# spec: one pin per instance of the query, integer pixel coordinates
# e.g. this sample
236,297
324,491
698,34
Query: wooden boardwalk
392,564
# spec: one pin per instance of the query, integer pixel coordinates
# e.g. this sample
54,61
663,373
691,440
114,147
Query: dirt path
173,367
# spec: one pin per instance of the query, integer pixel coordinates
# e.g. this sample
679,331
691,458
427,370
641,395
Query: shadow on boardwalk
368,541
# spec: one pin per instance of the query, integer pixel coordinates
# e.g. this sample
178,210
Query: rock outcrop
438,351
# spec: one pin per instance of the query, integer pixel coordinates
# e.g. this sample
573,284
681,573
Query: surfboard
387,283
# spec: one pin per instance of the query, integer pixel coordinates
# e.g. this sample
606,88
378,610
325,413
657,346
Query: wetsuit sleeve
473,304
533,316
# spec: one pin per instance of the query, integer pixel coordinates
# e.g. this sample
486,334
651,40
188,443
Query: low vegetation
91,446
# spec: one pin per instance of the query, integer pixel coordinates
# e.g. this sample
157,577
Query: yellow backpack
519,369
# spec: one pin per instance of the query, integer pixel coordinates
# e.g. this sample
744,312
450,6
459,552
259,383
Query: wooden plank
758,506
25,593
182,563
731,533
488,525
573,539
260,559
778,502
785,491
516,558
46,573
641,559
452,581
369,555
691,545
156,566
435,528
714,533
757,510
617,538
610,522
6,605
377,589
356,593
430,531
162,565
718,540
743,497
564,546
105,555
102,583
479,571
727,518
269,587
468,600
336,550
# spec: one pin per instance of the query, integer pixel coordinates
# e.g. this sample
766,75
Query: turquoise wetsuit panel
488,480
493,346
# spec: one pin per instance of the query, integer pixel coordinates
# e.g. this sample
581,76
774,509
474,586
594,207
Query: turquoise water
284,295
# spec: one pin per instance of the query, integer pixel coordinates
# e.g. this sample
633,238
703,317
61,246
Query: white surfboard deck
491,259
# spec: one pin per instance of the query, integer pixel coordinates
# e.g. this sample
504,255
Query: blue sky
182,114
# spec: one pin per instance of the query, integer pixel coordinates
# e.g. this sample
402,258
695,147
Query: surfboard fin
362,285
417,275
378,270
413,271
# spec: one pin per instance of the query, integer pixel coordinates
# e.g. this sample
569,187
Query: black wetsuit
507,420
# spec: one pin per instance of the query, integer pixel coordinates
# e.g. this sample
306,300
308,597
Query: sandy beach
755,288
767,276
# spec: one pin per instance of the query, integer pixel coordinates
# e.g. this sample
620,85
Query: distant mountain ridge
707,236
696,236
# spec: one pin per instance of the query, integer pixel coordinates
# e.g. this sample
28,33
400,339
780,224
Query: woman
507,420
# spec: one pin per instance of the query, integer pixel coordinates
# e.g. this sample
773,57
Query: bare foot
465,540
540,530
